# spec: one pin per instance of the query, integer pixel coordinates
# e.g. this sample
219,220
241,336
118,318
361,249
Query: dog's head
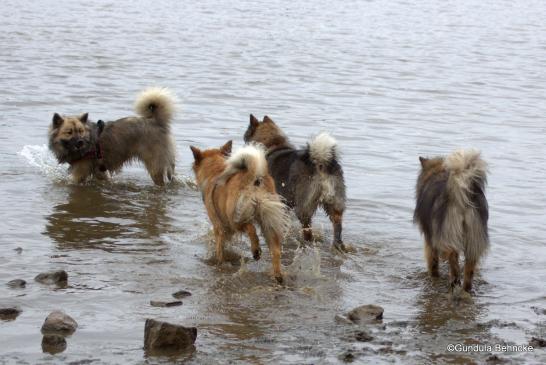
266,132
207,159
70,137
430,166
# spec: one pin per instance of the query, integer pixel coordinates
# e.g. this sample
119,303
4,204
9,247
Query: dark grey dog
305,178
452,212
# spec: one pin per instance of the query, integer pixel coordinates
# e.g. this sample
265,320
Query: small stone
158,303
181,294
53,344
363,336
9,313
494,359
539,311
348,356
59,323
162,338
537,342
366,313
17,283
59,277
18,250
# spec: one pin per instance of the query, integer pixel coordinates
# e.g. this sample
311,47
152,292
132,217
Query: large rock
162,338
53,344
17,283
9,313
366,314
59,323
59,277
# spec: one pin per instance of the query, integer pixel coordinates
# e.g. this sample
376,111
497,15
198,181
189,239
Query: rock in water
158,303
9,313
537,342
181,294
59,277
17,283
363,336
366,313
162,338
59,323
53,344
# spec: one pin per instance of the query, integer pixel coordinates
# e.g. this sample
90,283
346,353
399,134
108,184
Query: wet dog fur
306,178
147,138
452,212
239,193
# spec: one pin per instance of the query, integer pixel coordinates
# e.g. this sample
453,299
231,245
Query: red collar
93,154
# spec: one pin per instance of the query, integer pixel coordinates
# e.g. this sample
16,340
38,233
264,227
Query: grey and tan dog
96,149
306,178
452,212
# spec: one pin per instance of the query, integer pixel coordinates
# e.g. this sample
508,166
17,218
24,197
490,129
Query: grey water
390,80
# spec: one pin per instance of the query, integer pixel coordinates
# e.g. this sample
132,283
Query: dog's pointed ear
83,117
226,149
57,120
423,161
197,156
268,120
254,121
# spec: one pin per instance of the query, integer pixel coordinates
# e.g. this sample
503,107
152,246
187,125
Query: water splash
41,157
306,262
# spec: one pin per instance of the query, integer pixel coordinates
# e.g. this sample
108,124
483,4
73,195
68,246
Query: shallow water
390,81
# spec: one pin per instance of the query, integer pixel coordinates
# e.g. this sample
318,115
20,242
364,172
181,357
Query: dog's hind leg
431,255
469,268
454,268
254,241
274,243
306,228
219,240
336,217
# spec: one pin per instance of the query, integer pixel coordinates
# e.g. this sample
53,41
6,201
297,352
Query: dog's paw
257,254
339,246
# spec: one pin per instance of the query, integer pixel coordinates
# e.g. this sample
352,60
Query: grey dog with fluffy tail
94,149
306,178
452,211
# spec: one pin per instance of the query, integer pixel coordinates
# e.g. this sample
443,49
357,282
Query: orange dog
238,192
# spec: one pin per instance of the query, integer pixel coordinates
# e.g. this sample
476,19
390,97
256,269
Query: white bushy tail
156,103
465,167
323,149
249,158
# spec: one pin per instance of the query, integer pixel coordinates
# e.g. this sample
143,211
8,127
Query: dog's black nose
79,144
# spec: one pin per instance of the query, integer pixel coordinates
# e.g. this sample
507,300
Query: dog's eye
69,132
80,131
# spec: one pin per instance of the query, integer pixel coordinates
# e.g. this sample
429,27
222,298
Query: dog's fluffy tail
323,149
466,187
157,104
256,201
465,168
250,158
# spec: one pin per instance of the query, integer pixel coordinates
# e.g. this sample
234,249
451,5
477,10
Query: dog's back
451,207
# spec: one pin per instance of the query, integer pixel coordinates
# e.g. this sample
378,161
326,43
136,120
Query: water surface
390,80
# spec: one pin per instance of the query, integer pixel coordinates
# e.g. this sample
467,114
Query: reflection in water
108,216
